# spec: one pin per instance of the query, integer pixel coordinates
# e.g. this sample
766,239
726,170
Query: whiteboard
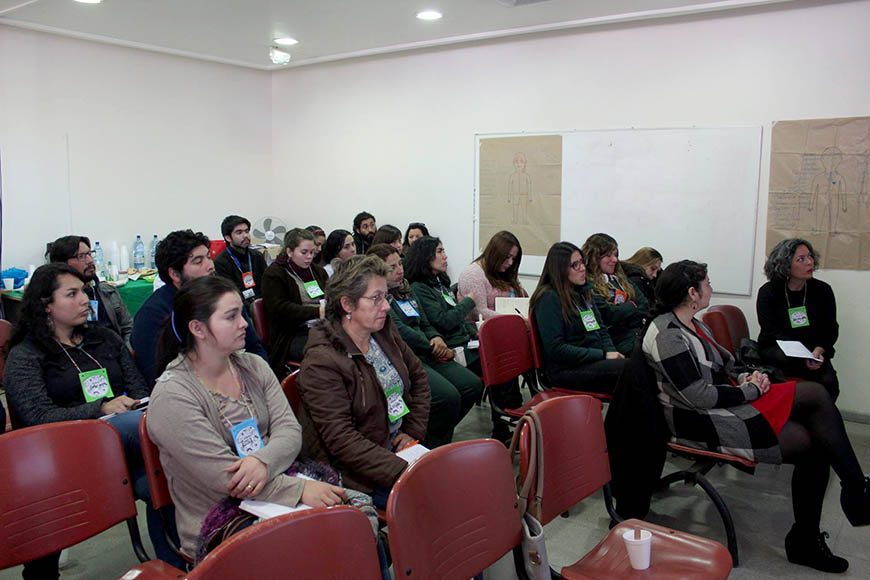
691,193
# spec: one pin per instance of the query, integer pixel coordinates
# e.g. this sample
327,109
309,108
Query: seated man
364,228
238,263
107,308
180,256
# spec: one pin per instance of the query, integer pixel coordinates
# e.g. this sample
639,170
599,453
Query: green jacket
417,331
447,320
567,344
624,321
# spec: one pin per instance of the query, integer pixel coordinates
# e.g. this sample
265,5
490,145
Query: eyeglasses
577,266
82,256
377,299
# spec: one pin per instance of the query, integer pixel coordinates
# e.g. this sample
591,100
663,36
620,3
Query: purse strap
535,470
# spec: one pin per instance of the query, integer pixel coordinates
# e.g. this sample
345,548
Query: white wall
395,134
110,142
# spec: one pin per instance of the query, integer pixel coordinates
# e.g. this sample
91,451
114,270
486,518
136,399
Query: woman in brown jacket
293,288
364,392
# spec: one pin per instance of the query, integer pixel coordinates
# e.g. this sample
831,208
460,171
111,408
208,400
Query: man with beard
364,228
181,256
107,308
238,263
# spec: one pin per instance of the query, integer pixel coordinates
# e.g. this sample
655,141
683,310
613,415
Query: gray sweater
196,446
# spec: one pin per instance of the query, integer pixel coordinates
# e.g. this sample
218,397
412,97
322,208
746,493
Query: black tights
814,439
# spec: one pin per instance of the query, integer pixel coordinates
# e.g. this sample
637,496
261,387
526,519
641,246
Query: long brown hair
493,256
555,278
596,247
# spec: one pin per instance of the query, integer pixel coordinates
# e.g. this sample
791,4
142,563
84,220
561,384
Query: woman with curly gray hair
794,305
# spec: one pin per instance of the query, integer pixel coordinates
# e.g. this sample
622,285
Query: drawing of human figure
828,192
519,190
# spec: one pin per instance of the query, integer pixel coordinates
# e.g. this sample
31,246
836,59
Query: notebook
504,305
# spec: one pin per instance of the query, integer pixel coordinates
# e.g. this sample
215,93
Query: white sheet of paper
795,349
266,509
413,453
473,344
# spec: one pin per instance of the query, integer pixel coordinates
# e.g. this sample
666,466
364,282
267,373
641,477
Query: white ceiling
240,31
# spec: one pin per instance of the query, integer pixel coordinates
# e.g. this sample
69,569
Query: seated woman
319,239
338,247
455,389
577,352
219,417
292,294
390,235
642,269
61,369
622,305
794,305
364,392
494,273
413,232
708,408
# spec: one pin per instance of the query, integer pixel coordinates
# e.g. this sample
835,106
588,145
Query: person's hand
319,494
613,355
440,349
815,365
760,380
249,477
118,405
402,440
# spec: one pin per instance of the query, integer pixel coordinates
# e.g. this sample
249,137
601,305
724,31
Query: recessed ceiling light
278,56
89,1
429,15
285,41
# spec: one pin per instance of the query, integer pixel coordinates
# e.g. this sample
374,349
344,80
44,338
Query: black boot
808,548
855,500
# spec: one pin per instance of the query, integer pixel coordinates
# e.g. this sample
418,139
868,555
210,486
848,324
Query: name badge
248,294
94,311
313,289
407,308
248,279
589,321
95,385
619,296
246,437
797,317
396,407
448,298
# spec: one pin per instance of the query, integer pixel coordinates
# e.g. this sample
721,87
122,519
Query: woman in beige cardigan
219,417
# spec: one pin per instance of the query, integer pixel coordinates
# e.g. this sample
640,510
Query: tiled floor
760,505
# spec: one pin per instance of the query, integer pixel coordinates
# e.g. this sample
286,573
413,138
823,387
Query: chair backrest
576,464
154,473
216,247
314,544
728,324
62,483
5,334
291,391
504,349
261,324
454,513
534,343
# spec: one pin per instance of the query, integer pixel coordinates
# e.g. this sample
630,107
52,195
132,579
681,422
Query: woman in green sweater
578,353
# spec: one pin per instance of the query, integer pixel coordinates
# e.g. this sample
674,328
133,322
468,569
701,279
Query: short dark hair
360,218
66,248
387,234
231,222
382,251
672,286
316,230
351,279
172,251
777,268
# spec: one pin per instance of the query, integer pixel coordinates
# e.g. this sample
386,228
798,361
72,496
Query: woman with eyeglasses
364,393
578,353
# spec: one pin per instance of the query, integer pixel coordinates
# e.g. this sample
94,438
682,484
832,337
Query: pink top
473,279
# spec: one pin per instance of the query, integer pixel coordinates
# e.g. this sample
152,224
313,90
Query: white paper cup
638,550
9,283
459,355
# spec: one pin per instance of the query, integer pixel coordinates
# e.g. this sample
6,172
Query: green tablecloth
134,293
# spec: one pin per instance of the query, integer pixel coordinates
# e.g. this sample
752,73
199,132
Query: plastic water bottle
153,263
99,259
138,253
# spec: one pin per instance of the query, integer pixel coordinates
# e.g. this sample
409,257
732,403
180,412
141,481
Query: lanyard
243,399
301,281
803,302
239,264
63,348
613,281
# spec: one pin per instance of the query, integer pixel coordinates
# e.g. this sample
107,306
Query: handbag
534,548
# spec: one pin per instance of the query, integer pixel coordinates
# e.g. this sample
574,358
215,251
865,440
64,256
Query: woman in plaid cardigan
707,407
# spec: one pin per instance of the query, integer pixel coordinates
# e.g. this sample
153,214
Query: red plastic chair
314,544
62,483
6,329
261,323
216,247
728,324
453,513
576,465
538,361
505,354
288,385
